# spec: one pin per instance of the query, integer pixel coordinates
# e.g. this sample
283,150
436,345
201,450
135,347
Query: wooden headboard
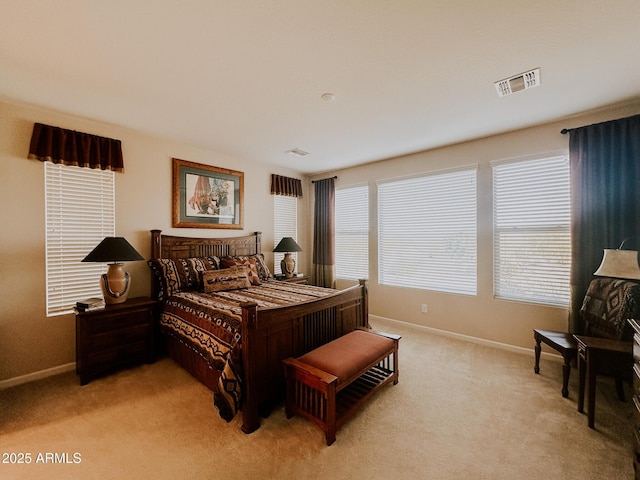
167,246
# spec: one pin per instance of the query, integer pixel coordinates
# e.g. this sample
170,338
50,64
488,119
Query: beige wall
479,316
31,343
29,340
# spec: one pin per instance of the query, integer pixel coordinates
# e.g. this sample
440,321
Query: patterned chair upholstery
607,305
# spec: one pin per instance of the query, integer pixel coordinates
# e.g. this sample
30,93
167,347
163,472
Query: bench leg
537,349
330,423
566,371
396,373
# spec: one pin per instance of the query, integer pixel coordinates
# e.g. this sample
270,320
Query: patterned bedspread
211,325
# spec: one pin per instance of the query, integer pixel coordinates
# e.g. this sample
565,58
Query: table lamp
619,263
288,263
115,283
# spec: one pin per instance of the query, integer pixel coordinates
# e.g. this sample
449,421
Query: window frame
354,261
451,265
79,213
552,269
285,224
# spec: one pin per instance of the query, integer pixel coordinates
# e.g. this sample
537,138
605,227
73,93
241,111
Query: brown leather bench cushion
345,356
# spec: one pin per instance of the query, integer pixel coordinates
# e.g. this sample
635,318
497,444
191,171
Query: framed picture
206,196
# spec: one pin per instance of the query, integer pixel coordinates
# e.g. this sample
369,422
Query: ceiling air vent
296,152
518,83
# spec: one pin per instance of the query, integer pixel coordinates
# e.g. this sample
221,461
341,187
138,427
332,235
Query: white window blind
427,232
352,232
285,224
532,233
80,212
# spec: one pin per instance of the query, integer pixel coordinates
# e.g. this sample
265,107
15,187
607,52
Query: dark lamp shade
287,244
113,249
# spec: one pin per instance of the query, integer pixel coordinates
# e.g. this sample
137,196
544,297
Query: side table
304,279
115,336
592,352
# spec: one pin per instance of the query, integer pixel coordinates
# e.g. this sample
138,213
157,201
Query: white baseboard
30,377
468,338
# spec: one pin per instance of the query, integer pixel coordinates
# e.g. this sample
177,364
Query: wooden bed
269,335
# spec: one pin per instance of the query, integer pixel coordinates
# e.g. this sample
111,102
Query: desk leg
591,387
566,371
581,376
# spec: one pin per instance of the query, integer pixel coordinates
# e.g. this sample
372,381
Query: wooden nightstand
303,279
113,337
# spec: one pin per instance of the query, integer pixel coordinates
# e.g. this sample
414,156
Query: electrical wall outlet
423,308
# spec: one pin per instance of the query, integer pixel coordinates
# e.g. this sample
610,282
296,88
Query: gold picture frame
207,197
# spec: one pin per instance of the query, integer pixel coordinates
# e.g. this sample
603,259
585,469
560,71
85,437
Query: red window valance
288,186
59,145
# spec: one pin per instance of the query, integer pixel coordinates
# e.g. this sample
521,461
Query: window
352,232
532,237
285,224
80,212
427,232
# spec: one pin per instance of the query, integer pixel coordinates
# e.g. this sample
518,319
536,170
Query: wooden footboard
271,335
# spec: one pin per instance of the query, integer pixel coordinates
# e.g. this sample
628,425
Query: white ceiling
246,77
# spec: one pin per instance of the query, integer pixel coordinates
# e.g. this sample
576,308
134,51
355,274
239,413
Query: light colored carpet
460,411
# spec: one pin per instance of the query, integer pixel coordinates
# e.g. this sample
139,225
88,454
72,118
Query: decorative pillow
199,265
172,276
263,271
249,262
180,275
226,279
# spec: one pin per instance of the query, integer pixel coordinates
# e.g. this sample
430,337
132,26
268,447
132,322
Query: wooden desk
592,351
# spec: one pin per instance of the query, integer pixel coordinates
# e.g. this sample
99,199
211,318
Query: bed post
156,249
365,302
250,420
155,244
258,242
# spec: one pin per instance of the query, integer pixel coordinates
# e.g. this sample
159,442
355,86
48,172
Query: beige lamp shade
619,264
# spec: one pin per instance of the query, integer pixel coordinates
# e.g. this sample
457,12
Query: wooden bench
563,343
330,383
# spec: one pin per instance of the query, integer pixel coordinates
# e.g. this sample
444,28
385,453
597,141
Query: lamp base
115,284
288,265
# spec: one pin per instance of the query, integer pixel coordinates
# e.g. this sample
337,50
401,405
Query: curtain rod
564,131
334,177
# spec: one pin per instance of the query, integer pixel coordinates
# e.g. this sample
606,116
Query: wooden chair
607,305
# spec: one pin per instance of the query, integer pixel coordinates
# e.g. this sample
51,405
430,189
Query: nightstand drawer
112,358
118,338
108,323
